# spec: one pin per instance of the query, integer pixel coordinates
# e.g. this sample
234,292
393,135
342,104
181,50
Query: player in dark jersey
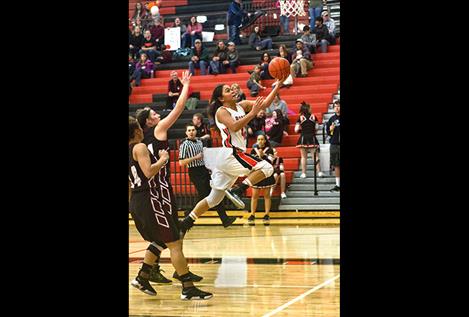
156,138
155,223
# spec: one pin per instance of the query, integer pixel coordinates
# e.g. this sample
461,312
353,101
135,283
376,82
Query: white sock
193,216
337,181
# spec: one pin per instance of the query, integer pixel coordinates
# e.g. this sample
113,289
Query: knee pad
155,249
215,197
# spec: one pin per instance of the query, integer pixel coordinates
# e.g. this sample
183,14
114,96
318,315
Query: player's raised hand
186,77
258,104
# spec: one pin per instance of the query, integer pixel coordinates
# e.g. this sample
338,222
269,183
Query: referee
190,155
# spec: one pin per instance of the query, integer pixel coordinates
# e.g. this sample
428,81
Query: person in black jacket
333,130
322,34
277,131
135,42
174,89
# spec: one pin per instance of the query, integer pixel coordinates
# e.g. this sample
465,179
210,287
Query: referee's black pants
200,177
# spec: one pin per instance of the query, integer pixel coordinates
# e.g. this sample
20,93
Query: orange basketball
279,68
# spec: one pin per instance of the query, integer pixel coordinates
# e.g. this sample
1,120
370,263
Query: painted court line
278,309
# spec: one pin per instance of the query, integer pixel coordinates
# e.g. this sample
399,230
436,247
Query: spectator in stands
333,130
193,32
139,13
265,60
135,42
240,95
307,125
199,58
301,60
143,69
233,57
315,8
131,72
284,52
257,125
322,34
217,64
279,104
202,129
279,173
264,151
277,128
149,46
284,19
157,32
256,42
235,17
174,89
254,82
330,23
309,40
177,23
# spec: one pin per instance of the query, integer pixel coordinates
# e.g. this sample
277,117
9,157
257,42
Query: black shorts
154,218
335,154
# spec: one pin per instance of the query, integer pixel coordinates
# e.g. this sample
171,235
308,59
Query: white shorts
227,164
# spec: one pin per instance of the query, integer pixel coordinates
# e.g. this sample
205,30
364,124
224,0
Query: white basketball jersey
230,138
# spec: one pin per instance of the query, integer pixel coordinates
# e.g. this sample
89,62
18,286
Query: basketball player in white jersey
231,161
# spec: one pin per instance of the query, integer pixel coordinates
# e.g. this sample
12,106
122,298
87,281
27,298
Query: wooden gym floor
290,268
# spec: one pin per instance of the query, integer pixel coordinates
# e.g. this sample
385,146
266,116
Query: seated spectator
265,60
254,82
279,104
149,46
143,69
264,151
139,13
239,94
217,65
131,72
279,172
330,23
301,60
257,125
275,128
283,52
309,40
256,42
135,42
199,58
322,34
193,32
183,30
174,89
157,32
233,58
202,129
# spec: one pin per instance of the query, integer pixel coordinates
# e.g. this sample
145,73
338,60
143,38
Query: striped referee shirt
190,148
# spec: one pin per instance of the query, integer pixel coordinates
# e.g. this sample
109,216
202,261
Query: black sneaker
251,220
229,221
143,285
266,220
233,195
157,277
194,277
193,293
336,189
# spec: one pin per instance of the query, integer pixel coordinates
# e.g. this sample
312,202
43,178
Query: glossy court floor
290,268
